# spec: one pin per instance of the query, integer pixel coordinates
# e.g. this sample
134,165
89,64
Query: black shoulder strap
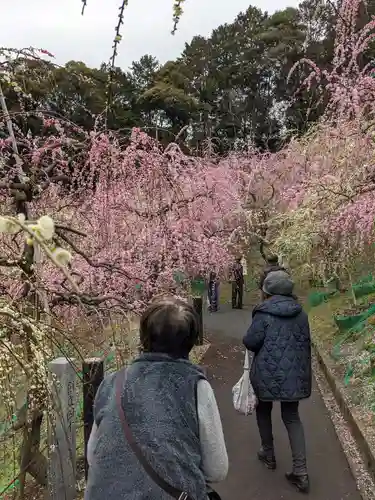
170,490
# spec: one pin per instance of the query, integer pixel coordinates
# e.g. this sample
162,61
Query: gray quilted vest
160,408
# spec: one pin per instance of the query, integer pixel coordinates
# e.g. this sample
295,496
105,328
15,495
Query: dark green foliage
230,90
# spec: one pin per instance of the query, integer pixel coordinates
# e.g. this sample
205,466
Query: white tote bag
244,399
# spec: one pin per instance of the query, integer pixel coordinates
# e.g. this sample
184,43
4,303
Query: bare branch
75,299
71,230
8,263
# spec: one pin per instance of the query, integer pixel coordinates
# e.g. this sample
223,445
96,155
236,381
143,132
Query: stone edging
338,391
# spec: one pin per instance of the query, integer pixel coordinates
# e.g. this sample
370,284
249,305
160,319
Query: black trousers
237,294
294,427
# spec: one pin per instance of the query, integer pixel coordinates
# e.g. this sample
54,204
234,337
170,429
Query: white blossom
62,256
8,225
46,227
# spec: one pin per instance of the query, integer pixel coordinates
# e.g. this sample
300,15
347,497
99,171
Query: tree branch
103,265
8,263
71,230
75,299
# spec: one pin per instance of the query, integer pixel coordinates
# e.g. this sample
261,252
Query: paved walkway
330,475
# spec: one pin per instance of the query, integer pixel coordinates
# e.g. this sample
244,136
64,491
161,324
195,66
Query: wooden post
62,435
93,374
198,307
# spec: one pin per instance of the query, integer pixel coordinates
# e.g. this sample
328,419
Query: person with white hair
157,432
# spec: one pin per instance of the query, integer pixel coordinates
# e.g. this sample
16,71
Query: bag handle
246,363
170,490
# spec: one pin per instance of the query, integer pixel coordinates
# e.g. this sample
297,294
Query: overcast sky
57,25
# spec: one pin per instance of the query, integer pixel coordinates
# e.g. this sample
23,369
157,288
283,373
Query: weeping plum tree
328,217
88,220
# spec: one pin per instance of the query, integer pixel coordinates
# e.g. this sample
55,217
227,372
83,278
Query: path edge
355,426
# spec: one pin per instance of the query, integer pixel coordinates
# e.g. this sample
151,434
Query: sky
57,26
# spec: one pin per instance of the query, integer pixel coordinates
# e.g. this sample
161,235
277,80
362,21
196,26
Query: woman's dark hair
170,326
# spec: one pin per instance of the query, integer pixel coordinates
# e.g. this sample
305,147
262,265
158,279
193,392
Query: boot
268,458
301,482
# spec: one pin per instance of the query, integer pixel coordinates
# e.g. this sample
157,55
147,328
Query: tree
225,79
168,100
231,90
74,91
126,217
329,210
238,78
283,40
143,73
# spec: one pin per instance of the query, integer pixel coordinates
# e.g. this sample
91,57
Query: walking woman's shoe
302,483
268,459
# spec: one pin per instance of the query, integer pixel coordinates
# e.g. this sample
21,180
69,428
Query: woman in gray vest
157,433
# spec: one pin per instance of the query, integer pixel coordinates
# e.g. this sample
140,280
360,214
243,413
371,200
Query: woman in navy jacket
279,337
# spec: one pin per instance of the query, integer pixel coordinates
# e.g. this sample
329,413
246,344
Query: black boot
268,459
301,482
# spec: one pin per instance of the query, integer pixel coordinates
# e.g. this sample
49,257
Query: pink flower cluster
147,213
351,87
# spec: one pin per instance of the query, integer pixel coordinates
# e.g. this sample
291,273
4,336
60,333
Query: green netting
360,290
317,298
363,329
345,323
198,286
364,286
358,328
366,279
354,325
336,349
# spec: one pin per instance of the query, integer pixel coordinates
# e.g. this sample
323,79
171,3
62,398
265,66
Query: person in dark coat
272,265
237,284
213,292
279,337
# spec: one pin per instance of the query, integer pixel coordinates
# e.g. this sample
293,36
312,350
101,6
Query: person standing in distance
279,337
237,284
213,292
272,264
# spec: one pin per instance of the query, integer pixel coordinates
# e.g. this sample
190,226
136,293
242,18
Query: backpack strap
170,490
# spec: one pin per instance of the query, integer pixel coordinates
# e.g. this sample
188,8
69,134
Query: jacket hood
279,305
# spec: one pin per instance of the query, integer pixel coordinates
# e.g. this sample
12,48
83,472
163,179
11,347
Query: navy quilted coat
279,337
